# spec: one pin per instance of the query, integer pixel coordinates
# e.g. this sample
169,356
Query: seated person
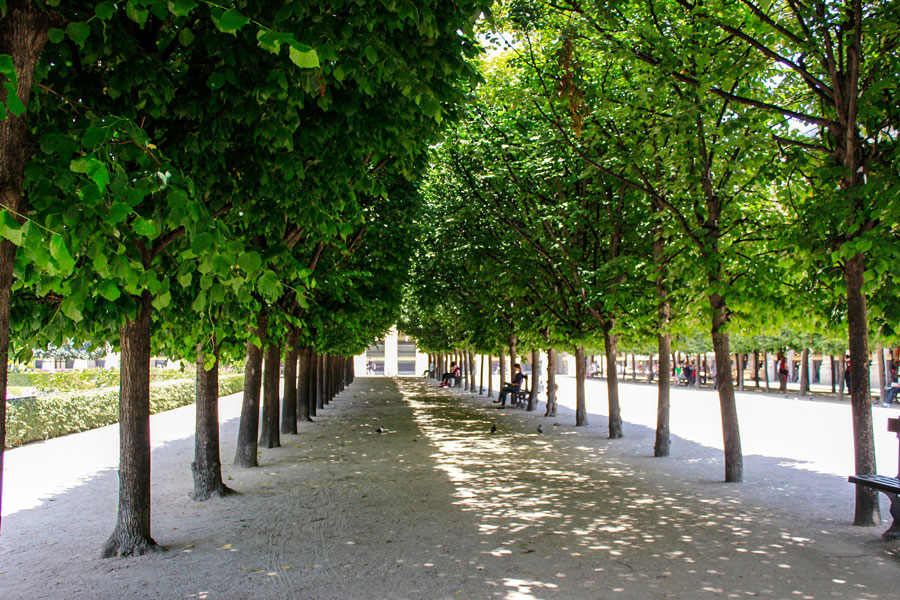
515,386
452,374
889,395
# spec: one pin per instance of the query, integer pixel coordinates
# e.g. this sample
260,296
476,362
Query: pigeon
540,429
380,429
494,428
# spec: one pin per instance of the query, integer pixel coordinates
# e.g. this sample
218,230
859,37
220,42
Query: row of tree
202,179
637,170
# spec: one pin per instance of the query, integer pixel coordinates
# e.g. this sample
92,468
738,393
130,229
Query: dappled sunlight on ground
553,497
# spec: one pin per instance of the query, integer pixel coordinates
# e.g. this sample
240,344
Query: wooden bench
889,486
519,398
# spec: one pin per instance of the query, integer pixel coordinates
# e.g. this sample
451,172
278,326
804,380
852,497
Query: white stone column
390,353
825,370
359,364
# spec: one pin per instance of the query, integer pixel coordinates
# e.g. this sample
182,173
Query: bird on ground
540,429
380,429
494,428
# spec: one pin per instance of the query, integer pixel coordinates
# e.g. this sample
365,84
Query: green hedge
54,415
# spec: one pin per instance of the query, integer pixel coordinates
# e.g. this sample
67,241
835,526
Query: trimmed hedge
54,415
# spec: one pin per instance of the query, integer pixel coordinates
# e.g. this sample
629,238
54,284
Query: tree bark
610,344
756,369
313,378
207,465
248,430
867,509
472,372
882,379
580,402
804,372
731,433
662,444
766,369
535,379
502,360
289,404
320,381
269,437
481,377
664,342
551,383
490,376
513,353
131,536
23,33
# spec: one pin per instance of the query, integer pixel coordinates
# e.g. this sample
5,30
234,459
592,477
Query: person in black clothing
511,387
453,374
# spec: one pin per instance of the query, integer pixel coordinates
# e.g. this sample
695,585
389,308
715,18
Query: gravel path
438,507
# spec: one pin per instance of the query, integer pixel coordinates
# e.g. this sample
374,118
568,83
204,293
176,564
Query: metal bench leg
893,532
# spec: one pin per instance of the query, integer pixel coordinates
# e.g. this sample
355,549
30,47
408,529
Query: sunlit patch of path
568,519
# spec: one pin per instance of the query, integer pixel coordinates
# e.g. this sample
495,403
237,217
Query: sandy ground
437,507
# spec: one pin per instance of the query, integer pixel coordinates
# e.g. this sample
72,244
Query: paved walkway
438,507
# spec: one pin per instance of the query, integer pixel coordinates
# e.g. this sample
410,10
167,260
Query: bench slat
877,482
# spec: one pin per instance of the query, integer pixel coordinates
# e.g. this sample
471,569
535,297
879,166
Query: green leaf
136,13
71,310
145,227
270,286
215,81
231,21
202,243
185,279
105,10
182,8
78,32
302,55
56,35
118,212
10,228
60,252
13,103
269,40
162,300
94,136
109,290
185,37
249,262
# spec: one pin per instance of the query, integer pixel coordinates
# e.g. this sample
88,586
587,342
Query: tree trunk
662,444
804,372
472,372
131,537
551,383
481,377
320,381
268,437
248,430
535,379
513,353
313,373
207,465
303,380
580,401
697,374
867,509
23,33
664,342
490,376
842,372
289,406
610,343
882,379
756,368
502,360
731,433
766,369
633,367
739,369
833,373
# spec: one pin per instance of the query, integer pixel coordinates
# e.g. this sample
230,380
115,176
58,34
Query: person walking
782,373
